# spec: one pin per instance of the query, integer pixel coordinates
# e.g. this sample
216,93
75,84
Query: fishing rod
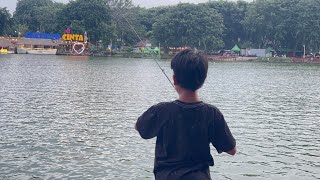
145,45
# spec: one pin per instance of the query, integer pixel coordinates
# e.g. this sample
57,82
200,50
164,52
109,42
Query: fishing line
145,45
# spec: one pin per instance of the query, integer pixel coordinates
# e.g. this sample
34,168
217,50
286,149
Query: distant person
185,127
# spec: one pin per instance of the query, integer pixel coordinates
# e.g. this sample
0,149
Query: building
38,46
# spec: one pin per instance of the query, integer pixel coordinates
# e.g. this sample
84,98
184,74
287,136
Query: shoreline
264,59
213,58
230,59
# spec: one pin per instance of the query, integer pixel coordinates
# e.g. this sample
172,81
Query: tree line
279,24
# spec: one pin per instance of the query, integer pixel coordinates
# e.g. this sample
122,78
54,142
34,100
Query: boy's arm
220,135
148,124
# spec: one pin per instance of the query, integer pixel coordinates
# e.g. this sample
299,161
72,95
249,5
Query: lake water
73,117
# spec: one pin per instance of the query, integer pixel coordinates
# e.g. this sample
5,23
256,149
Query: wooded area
279,24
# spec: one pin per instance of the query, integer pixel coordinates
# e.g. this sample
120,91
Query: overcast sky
11,4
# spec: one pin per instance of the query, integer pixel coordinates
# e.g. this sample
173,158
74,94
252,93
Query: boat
3,51
42,51
21,50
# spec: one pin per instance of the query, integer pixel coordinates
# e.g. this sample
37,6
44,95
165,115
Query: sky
11,4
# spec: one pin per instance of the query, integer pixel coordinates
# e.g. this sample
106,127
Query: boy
185,127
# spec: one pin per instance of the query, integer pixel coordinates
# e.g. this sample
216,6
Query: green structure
155,51
235,49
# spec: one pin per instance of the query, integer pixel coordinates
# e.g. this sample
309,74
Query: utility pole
111,49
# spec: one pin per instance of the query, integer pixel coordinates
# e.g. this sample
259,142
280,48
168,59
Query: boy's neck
188,96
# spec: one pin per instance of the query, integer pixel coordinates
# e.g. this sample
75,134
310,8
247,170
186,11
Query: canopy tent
148,50
235,48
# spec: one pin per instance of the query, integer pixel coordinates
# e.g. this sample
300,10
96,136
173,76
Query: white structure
253,52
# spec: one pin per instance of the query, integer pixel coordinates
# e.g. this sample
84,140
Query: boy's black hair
190,69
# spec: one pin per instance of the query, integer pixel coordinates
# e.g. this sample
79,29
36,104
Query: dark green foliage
92,16
190,25
279,24
233,14
34,13
127,25
6,22
283,24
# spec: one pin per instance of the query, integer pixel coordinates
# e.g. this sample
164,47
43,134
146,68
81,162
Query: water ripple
62,117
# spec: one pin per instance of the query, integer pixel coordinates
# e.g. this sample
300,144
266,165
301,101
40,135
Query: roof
5,43
142,43
235,48
40,42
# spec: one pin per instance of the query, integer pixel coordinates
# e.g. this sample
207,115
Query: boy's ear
175,82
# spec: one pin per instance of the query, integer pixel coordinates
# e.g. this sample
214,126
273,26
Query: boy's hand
232,151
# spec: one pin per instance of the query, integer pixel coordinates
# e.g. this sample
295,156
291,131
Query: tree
29,13
233,15
150,16
93,16
308,28
280,24
127,22
47,16
196,26
283,24
120,4
6,22
256,24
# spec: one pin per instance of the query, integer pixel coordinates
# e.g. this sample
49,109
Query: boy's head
190,69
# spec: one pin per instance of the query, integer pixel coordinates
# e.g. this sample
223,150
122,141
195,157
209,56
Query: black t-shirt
184,132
